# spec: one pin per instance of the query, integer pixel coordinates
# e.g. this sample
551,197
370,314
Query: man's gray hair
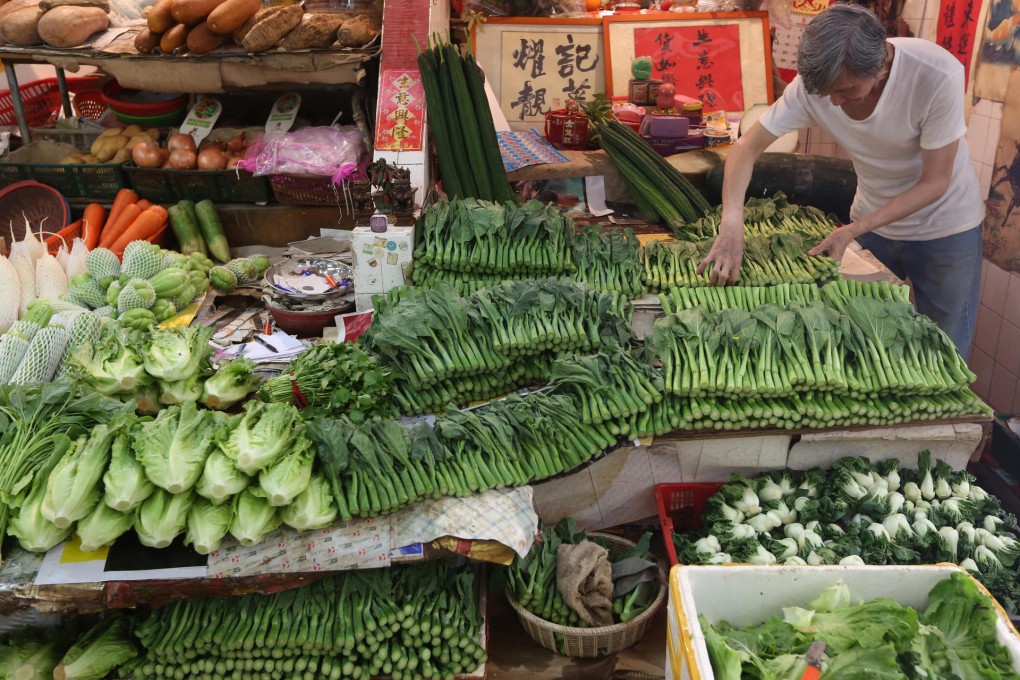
842,37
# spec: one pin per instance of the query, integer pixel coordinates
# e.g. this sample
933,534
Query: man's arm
936,174
728,250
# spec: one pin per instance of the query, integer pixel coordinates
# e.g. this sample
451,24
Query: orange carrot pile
130,219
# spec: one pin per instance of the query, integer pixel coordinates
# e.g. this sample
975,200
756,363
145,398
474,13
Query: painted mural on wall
998,50
1002,224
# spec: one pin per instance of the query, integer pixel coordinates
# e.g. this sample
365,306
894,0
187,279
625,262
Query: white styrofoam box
954,443
748,595
379,259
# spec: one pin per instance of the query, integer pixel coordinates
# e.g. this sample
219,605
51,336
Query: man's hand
727,253
834,245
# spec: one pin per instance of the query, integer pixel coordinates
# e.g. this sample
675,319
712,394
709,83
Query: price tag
284,112
201,119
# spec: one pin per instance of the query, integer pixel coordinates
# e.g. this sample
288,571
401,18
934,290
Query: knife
814,661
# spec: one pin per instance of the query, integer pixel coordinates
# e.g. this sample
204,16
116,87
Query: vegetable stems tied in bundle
854,345
660,191
473,244
412,622
431,338
380,466
462,127
766,217
768,260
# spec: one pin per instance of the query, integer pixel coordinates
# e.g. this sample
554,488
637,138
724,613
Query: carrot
143,204
62,237
144,227
92,224
124,198
114,229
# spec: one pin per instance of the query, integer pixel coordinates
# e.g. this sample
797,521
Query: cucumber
185,228
212,230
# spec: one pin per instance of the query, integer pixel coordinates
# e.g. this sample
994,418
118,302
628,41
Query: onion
180,141
182,159
147,155
232,162
212,159
236,144
215,146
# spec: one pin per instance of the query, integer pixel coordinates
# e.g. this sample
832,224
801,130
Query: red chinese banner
401,111
703,60
957,25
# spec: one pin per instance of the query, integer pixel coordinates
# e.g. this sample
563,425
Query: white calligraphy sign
536,65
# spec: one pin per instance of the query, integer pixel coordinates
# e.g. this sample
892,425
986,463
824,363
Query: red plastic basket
680,509
40,99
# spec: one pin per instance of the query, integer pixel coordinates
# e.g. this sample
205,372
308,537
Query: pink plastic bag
333,152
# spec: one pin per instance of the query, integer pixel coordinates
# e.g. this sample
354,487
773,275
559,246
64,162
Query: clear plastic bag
335,152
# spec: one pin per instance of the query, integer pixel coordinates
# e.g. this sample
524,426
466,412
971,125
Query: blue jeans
946,275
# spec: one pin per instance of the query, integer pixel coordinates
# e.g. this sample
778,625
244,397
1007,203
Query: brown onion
216,146
233,161
180,141
212,159
236,144
182,159
147,155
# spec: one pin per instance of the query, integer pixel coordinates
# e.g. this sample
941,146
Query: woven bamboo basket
592,642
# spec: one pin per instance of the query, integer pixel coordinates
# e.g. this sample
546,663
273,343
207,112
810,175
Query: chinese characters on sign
809,7
542,71
704,62
957,24
402,112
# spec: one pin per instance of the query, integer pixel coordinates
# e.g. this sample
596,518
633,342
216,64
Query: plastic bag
323,151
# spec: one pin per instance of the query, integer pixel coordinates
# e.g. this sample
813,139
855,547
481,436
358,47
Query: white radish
24,264
76,259
10,284
36,248
50,279
62,256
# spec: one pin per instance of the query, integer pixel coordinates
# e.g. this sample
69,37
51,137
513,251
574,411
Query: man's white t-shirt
921,107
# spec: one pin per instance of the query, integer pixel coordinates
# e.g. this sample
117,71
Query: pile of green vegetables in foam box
895,622
861,513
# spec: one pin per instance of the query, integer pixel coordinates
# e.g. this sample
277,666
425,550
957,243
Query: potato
122,156
71,26
140,138
89,158
109,132
73,159
153,133
107,147
21,28
131,130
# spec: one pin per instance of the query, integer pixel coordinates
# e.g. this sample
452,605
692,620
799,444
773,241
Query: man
896,106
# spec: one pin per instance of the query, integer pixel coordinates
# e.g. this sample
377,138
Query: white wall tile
993,294
1011,310
1007,354
992,141
984,366
977,135
1003,390
986,179
986,333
